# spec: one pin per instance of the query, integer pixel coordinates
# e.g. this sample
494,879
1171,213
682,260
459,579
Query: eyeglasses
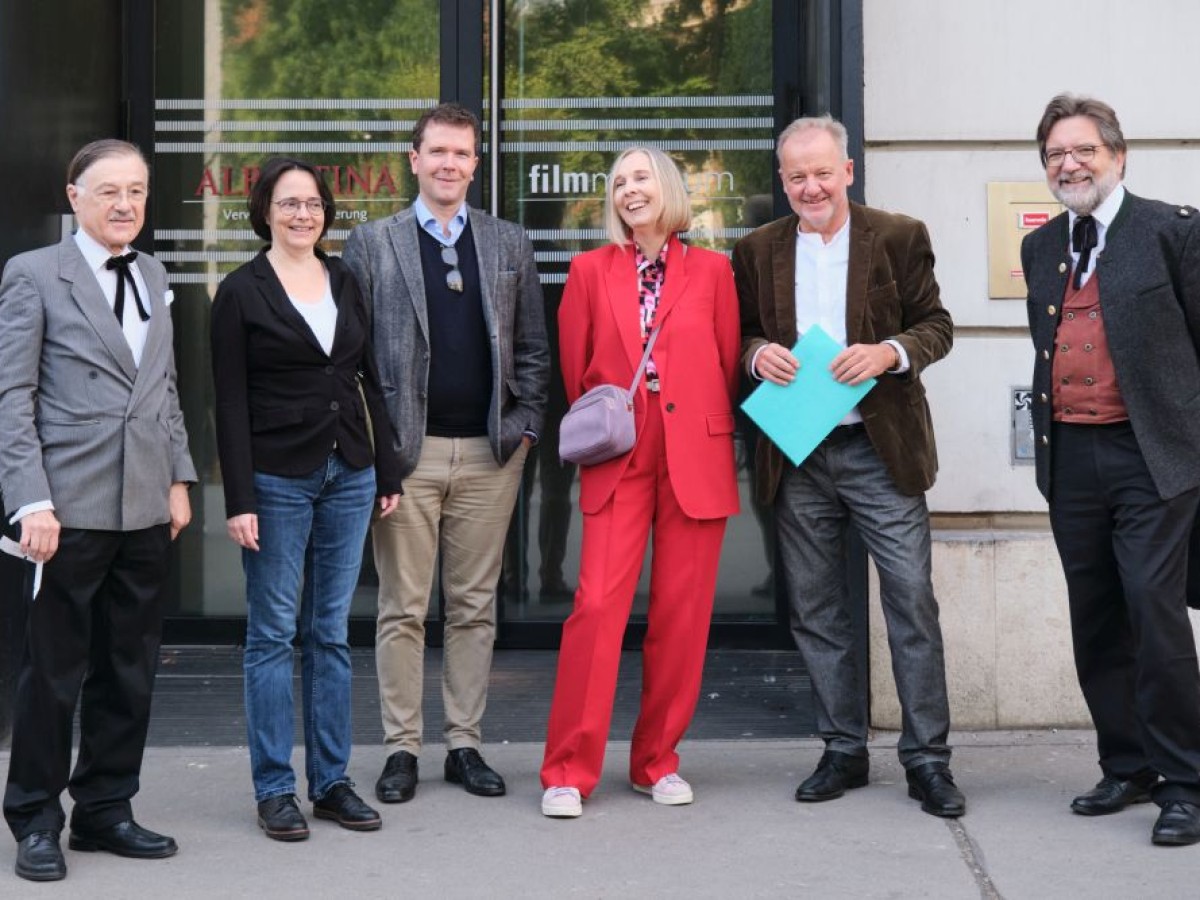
454,279
289,206
1082,154
110,195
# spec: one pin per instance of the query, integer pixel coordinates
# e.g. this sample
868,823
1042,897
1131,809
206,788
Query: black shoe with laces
281,820
466,767
345,807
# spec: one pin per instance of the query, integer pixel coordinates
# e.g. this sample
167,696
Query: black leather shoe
39,858
1178,825
933,785
281,820
126,838
398,783
466,767
835,774
1110,795
345,807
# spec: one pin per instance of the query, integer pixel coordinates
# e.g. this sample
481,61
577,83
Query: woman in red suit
678,478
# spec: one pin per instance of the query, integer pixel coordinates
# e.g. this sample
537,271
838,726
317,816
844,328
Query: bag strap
637,376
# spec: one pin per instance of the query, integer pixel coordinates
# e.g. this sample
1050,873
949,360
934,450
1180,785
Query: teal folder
799,416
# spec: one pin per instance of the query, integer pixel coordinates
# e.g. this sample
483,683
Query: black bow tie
1084,238
121,265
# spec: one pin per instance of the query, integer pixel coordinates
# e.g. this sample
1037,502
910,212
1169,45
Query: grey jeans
845,483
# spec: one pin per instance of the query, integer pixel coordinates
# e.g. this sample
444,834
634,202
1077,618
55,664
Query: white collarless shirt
820,288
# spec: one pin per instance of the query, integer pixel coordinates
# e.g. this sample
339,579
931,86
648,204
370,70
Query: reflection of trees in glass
315,48
321,50
631,48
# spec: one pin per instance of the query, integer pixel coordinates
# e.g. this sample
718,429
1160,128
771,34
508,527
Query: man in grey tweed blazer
458,329
95,471
1114,312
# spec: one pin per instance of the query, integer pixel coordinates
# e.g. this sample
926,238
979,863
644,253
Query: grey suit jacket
1150,292
386,258
83,427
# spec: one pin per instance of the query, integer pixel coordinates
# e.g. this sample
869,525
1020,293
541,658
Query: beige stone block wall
1006,630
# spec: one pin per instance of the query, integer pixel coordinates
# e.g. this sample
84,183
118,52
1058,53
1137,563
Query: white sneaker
562,803
670,790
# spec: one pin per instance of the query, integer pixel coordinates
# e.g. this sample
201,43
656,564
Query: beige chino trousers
457,503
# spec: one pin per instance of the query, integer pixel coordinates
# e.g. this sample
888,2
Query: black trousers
1124,551
92,635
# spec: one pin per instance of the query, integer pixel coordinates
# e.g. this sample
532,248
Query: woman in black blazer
293,367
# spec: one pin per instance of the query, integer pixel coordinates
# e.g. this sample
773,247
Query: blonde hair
677,208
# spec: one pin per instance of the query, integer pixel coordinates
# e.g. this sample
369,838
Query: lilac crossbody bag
599,425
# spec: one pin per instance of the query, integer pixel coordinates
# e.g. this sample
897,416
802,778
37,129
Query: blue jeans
845,483
310,529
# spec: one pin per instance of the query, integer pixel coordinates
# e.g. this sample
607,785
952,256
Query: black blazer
1150,291
282,403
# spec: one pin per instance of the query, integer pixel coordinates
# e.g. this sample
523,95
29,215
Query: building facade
941,98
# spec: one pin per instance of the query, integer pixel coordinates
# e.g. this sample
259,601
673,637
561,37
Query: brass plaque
1015,208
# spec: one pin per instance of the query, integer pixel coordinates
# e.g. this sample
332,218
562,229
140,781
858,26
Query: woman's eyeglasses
289,206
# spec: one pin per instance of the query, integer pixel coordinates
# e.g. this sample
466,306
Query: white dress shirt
1104,215
97,256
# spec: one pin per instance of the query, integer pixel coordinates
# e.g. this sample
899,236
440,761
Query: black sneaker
345,807
281,820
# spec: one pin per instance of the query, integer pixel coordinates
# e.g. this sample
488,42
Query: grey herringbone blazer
83,426
386,258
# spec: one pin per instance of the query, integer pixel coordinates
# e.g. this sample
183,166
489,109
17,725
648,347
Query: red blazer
696,355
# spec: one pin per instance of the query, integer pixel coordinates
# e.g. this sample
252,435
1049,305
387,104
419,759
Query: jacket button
1045,441
93,375
1068,411
1089,381
1045,399
670,407
329,370
1051,309
1088,348
1045,354
334,405
1065,347
1062,267
1070,317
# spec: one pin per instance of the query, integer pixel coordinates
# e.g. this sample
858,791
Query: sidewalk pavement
743,837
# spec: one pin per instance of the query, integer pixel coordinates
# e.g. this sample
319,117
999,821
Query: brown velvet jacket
891,293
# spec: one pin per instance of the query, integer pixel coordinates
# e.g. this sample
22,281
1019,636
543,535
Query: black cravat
121,265
1083,241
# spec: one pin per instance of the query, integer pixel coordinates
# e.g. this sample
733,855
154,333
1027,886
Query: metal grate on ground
746,694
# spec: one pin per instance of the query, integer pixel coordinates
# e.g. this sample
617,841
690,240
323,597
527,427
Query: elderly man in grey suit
95,472
1114,312
460,335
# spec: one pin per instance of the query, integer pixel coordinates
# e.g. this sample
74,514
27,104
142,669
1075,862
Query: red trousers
683,578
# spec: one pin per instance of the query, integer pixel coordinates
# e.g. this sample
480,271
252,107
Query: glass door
338,84
561,87
580,82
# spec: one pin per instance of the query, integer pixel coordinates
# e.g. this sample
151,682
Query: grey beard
1084,203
